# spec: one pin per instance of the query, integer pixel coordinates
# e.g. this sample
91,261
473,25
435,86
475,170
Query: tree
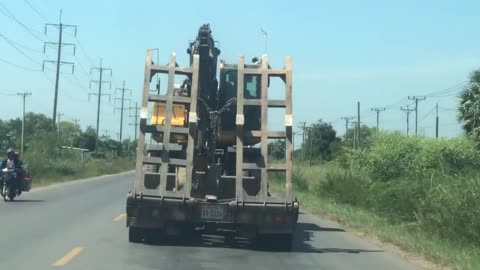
277,149
86,140
468,113
321,141
366,135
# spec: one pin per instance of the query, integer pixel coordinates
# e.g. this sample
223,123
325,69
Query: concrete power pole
436,121
378,110
416,99
302,126
355,134
135,116
407,110
24,96
58,62
58,125
75,124
100,82
347,121
358,124
123,89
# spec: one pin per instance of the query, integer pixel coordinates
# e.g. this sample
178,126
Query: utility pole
416,99
355,134
310,139
302,126
407,110
58,125
358,124
75,121
106,132
123,89
436,122
24,96
75,124
58,62
100,82
347,120
135,116
378,110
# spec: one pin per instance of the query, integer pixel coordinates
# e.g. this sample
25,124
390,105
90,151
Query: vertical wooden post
289,129
239,121
264,128
192,126
139,183
167,127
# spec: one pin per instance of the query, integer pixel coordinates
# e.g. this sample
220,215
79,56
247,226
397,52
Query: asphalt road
81,225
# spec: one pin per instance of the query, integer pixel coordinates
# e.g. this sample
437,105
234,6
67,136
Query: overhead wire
18,66
19,50
426,115
10,15
7,94
36,11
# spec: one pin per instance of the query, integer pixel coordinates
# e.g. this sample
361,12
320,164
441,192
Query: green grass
457,254
63,171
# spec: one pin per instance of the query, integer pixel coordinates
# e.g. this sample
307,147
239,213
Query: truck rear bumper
260,218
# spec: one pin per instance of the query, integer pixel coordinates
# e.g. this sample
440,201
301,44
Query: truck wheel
135,235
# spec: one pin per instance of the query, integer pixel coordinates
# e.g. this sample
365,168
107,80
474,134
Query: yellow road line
120,217
68,257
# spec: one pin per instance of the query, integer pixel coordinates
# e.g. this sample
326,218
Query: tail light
27,177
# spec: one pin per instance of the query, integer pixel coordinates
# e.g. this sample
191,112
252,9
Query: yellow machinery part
178,117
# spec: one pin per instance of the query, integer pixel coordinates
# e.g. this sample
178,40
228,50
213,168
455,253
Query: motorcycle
9,187
8,184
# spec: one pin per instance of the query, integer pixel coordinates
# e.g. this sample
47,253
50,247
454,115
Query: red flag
265,33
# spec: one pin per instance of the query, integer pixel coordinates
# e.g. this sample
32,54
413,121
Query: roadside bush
452,208
398,200
433,184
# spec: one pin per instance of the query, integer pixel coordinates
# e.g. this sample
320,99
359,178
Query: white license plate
212,212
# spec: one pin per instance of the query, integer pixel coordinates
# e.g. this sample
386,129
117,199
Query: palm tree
468,113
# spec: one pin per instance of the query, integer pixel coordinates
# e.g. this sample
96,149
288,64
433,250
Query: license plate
212,212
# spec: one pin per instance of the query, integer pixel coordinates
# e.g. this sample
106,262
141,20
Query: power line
7,94
100,82
18,44
84,52
60,44
453,88
24,96
407,110
426,115
123,90
378,110
35,10
11,16
416,99
16,48
18,66
135,116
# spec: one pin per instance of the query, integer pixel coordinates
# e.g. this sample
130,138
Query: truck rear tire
135,235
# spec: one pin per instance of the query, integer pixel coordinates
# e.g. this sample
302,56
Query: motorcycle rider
13,161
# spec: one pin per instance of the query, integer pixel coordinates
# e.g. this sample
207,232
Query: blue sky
375,52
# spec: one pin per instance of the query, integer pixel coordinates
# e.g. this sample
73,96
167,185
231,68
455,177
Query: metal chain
213,115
